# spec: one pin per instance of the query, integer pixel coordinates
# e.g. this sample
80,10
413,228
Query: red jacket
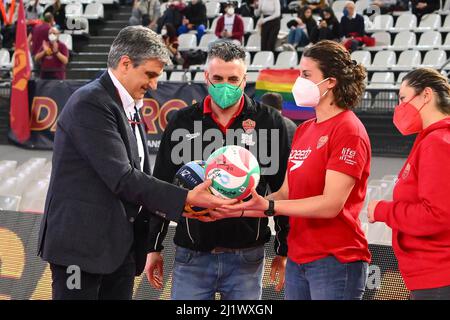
238,28
419,215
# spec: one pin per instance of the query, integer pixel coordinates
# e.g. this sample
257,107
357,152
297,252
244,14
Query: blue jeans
325,279
235,275
298,37
201,29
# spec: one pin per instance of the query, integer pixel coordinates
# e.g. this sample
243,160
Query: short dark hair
422,78
48,17
273,99
226,50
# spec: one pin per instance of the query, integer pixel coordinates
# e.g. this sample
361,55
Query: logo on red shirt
248,125
297,157
322,141
348,156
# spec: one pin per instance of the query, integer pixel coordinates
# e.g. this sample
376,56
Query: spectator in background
275,100
386,6
34,10
247,9
150,12
352,26
136,16
230,25
173,14
194,19
40,33
329,27
301,28
315,5
53,57
269,12
170,38
59,13
423,7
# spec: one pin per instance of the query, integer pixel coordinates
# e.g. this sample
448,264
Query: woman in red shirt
325,184
419,214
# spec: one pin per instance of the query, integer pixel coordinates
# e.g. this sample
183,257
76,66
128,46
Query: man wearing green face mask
224,256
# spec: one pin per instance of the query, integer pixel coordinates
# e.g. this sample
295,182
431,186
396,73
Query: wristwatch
271,211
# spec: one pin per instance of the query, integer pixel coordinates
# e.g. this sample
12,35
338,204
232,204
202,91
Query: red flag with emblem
19,113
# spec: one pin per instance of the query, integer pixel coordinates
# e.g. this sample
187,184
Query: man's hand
371,210
277,272
55,46
154,269
201,197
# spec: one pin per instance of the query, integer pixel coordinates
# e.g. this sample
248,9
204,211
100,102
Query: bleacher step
91,56
101,48
84,73
101,40
110,32
116,23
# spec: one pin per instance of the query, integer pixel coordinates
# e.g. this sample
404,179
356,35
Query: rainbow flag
281,81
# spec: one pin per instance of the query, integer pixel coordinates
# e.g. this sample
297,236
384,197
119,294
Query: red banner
19,113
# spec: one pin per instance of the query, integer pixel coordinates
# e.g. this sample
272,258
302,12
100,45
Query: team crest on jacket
248,125
406,171
322,141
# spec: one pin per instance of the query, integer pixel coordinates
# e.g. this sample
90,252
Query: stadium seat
199,77
248,25
10,203
400,79
406,21
286,60
33,197
7,168
362,57
383,22
262,60
383,60
445,8
212,9
381,80
252,76
338,6
434,59
187,41
446,45
283,24
8,187
382,41
362,5
429,22
253,42
78,26
206,40
67,40
404,40
163,77
430,40
409,59
94,11
5,59
248,58
180,76
74,10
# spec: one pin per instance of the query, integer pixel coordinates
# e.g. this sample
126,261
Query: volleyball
189,176
234,172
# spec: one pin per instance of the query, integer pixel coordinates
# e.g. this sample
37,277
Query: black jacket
354,26
196,14
92,216
233,232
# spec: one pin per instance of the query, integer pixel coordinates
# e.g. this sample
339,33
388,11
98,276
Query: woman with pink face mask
325,185
419,214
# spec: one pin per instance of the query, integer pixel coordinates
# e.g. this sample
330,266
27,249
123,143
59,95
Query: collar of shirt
208,110
128,102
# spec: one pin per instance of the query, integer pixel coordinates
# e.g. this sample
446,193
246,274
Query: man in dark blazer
94,232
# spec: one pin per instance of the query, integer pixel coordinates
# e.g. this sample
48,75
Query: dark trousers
115,286
269,34
441,293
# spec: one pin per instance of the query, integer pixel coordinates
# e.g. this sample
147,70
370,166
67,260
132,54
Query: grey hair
225,50
139,44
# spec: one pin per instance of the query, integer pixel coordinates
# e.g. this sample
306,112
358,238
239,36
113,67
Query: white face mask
163,32
52,37
230,11
307,93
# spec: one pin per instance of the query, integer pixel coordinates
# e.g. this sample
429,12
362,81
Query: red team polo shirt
340,144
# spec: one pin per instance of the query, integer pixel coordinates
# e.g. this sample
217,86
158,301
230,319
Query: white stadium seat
94,11
430,40
383,60
338,6
383,22
381,80
286,60
409,59
362,57
434,59
163,77
206,39
262,60
400,79
187,41
429,22
5,59
382,41
74,10
406,21
10,203
67,40
248,58
212,28
404,40
248,24
199,77
252,76
180,76
254,42
212,9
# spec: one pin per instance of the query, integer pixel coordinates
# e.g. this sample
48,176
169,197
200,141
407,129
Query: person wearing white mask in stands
230,25
269,12
53,57
326,181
